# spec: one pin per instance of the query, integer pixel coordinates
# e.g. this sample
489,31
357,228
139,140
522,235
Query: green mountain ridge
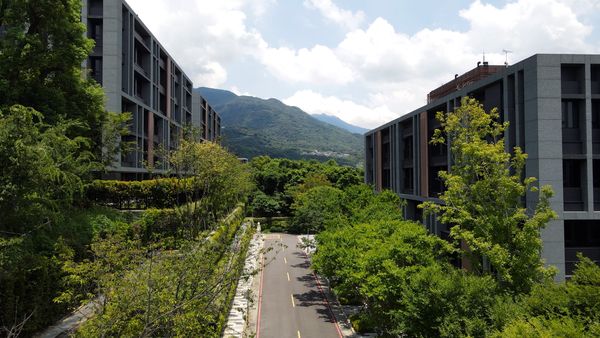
254,127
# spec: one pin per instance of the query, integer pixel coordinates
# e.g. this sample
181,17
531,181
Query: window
570,114
572,173
596,173
408,148
595,114
572,79
408,180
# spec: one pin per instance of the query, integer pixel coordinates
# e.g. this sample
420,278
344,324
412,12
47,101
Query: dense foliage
570,309
57,249
46,231
256,127
31,268
157,193
42,47
280,182
401,278
42,169
149,291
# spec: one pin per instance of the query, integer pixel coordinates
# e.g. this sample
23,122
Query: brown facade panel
472,76
423,154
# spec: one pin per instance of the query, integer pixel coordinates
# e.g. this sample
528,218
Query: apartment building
139,76
552,102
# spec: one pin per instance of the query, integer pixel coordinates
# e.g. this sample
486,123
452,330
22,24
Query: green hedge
180,222
158,193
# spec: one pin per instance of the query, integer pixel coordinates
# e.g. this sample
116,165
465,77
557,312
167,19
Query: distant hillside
254,127
336,121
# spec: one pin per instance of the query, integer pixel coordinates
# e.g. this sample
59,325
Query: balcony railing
591,252
572,87
573,199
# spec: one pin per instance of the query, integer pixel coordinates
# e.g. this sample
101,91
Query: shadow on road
314,299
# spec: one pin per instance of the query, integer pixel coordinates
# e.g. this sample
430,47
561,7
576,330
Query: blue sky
365,62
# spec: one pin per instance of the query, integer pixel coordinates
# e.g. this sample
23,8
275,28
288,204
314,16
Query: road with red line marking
291,300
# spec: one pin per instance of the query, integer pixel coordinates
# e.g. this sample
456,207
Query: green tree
264,205
42,170
317,209
149,292
483,198
570,309
224,181
42,48
114,127
399,273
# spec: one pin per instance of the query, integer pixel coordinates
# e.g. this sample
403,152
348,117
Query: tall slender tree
483,201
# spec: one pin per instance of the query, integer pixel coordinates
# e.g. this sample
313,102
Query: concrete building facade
139,76
553,105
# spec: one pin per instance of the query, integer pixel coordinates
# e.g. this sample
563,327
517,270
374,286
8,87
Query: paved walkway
70,323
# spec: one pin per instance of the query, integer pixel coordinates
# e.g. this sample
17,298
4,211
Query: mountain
252,127
336,121
216,97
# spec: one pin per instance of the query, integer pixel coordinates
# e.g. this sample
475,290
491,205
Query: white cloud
204,36
393,71
316,65
238,92
345,18
347,110
526,26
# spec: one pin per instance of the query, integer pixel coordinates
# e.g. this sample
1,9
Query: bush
158,193
317,209
170,293
546,327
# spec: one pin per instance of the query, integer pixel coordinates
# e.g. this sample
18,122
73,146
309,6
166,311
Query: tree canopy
42,47
43,168
483,199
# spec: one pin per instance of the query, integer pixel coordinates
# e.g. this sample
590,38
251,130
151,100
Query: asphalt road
291,303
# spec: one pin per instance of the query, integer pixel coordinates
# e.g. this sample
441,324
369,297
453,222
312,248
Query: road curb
244,300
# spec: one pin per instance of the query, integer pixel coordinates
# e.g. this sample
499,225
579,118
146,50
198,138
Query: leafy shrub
157,193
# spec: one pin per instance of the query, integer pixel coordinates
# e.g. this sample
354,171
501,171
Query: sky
366,62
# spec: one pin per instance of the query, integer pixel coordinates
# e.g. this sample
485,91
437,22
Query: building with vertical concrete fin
139,76
552,102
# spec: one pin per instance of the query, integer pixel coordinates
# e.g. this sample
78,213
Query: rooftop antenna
484,56
506,52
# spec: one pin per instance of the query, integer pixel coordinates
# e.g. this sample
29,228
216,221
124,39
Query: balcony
142,71
572,79
572,87
572,141
573,199
95,8
571,260
438,160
